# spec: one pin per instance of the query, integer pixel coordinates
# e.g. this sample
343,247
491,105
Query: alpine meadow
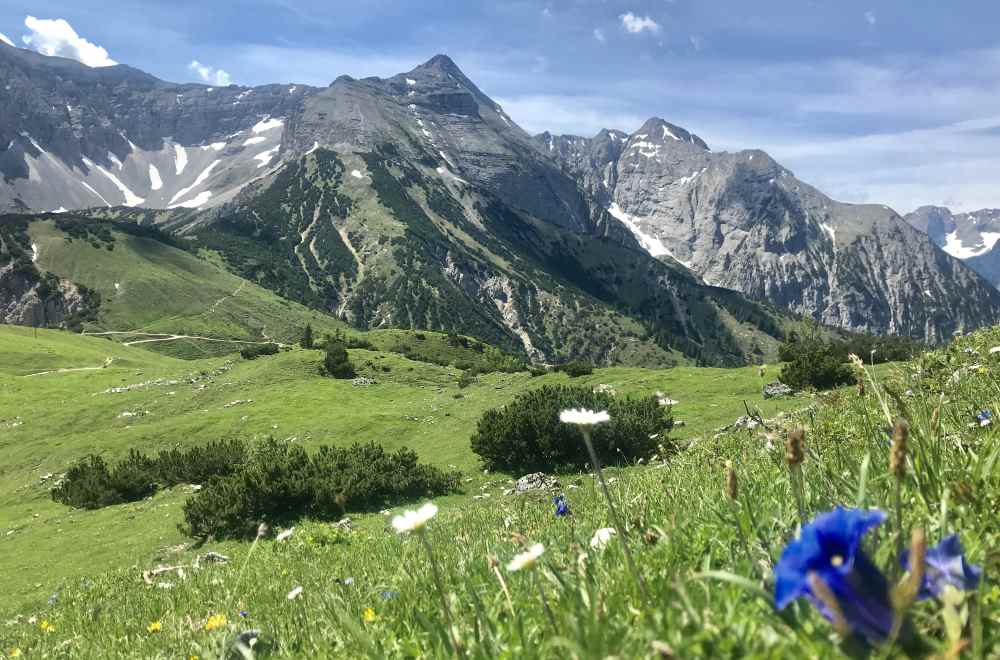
324,352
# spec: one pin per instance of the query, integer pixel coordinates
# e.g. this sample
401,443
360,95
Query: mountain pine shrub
254,351
576,368
281,483
92,484
816,364
336,363
527,436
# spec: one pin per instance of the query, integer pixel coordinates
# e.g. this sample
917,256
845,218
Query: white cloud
697,41
4,38
210,74
547,13
636,24
56,37
599,35
870,17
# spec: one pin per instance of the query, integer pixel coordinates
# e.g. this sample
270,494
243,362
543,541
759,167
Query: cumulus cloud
599,35
870,17
637,24
210,74
4,38
56,37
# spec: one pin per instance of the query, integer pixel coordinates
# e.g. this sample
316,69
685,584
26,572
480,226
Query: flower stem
452,634
614,515
898,497
545,602
798,492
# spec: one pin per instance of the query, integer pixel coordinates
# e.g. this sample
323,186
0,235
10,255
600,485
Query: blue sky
888,101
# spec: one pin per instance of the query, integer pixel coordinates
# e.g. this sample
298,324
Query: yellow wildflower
368,615
46,626
14,653
216,621
155,627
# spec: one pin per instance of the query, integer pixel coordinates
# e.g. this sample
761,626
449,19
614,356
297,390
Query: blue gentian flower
562,508
984,417
945,564
830,548
244,614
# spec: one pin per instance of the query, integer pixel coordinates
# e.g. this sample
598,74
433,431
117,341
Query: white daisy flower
294,593
286,534
412,521
602,537
526,559
995,349
584,417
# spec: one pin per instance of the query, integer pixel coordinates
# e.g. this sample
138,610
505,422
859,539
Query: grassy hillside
50,420
148,286
74,577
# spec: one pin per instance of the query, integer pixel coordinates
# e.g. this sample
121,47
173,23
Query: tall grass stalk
619,526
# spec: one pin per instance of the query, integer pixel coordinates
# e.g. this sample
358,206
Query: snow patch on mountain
131,199
180,159
953,245
96,194
264,157
651,244
155,182
195,202
267,124
197,182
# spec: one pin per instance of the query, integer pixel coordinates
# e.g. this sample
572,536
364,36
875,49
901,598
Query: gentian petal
945,565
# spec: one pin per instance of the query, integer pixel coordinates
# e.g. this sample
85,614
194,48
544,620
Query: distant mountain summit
744,222
971,237
416,201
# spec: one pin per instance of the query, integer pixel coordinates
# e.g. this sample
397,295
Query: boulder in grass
534,482
776,389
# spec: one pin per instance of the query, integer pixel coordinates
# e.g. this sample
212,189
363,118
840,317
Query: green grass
709,576
64,416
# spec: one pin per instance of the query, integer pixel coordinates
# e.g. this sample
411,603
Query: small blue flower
984,417
945,564
562,508
244,614
830,547
388,595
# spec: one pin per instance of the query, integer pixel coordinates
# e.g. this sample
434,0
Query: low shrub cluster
281,483
336,363
871,348
254,351
527,436
576,368
348,341
93,484
244,485
813,363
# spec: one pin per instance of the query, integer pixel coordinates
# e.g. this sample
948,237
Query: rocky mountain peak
659,131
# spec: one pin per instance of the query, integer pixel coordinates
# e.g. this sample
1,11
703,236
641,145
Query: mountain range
971,237
416,201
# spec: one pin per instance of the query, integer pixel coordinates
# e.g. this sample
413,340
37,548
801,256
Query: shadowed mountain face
416,201
744,222
971,237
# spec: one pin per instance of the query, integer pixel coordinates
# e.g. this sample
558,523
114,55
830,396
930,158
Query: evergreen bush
281,483
336,363
527,436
